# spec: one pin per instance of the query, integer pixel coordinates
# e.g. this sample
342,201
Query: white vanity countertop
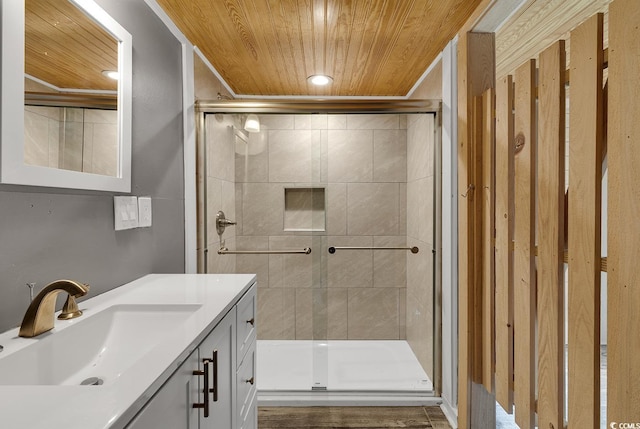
114,405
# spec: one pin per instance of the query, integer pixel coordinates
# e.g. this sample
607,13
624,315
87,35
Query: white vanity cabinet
247,416
227,357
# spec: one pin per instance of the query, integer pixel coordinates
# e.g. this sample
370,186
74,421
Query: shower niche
304,209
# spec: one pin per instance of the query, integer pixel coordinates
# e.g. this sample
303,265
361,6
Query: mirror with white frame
64,124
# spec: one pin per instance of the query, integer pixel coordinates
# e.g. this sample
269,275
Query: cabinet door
246,323
246,390
220,347
171,406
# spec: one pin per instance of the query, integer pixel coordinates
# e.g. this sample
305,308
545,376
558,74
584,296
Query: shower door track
319,106
284,398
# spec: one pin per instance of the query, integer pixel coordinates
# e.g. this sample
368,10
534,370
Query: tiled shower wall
72,138
220,189
420,232
377,175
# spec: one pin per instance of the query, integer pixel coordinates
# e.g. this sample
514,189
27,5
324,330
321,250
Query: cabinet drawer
246,323
246,384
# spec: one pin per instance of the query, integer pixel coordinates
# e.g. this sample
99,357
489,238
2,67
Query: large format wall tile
419,228
104,156
350,155
402,204
304,313
337,323
220,147
390,156
36,137
290,156
373,313
214,203
402,313
337,122
420,147
228,205
390,266
253,264
336,194
302,122
290,271
420,332
350,268
98,116
262,209
252,166
277,122
72,144
420,272
420,209
321,314
425,229
319,122
276,313
221,264
373,122
373,208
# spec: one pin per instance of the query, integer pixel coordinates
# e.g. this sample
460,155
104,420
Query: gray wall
47,234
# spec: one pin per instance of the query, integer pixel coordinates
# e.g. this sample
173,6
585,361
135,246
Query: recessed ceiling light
320,79
112,74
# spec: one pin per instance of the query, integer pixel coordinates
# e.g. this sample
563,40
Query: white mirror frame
13,170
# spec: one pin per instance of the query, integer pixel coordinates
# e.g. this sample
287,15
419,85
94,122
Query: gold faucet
39,315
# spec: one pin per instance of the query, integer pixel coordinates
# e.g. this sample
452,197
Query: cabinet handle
252,321
250,381
205,373
214,390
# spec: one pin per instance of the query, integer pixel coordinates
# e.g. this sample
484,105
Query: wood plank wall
585,179
519,225
524,245
488,228
504,213
550,227
623,299
476,74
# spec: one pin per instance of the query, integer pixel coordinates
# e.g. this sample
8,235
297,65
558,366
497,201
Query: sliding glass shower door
357,312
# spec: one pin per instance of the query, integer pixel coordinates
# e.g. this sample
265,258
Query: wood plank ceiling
537,25
65,48
368,47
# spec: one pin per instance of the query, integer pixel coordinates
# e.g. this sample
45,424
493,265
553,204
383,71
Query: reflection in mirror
71,119
89,91
71,138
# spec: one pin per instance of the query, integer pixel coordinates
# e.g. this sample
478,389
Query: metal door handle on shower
333,249
225,251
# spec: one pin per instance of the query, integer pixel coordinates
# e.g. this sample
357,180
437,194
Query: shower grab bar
333,249
225,251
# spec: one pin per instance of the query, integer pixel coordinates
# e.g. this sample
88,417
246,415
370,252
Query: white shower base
330,370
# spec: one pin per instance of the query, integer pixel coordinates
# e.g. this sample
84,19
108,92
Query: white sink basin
100,346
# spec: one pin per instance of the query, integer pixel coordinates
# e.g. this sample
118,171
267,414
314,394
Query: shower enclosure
358,314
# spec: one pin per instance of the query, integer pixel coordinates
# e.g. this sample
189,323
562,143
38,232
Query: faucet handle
86,290
70,309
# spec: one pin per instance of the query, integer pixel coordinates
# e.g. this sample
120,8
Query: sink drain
92,381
